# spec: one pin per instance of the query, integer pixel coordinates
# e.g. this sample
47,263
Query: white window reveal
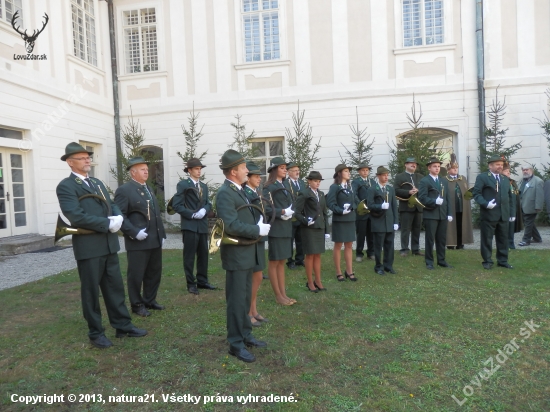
261,30
84,37
423,22
140,40
264,151
8,8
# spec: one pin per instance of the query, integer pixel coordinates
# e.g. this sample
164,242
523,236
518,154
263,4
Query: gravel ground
20,269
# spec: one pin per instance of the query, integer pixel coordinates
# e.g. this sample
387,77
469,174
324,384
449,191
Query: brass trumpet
62,229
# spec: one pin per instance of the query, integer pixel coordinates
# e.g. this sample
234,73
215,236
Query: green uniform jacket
336,199
375,198
89,214
242,223
403,191
130,197
254,198
360,186
485,190
290,186
282,199
192,200
428,192
308,206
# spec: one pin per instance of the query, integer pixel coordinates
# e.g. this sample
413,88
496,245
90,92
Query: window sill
141,75
255,65
422,49
83,63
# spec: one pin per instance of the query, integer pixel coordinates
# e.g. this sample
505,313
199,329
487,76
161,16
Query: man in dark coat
531,192
406,185
192,203
382,204
143,236
493,193
433,193
294,184
238,260
363,224
96,253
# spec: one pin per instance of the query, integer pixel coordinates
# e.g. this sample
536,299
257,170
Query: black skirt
280,248
343,231
313,240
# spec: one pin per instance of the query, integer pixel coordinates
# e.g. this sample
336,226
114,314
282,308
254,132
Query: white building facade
256,59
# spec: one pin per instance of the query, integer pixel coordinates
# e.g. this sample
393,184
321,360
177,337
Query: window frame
267,159
22,14
447,26
94,57
92,147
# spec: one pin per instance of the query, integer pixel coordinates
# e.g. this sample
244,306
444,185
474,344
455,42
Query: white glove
285,217
142,235
264,228
439,201
200,214
310,221
385,205
346,206
327,236
289,212
163,240
115,223
450,218
491,204
395,227
346,211
512,219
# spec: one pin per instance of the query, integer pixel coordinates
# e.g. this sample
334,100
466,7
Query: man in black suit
294,184
143,236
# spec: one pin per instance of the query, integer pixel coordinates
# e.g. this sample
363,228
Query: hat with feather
452,163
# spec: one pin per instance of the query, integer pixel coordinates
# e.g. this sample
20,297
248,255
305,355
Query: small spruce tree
362,149
242,142
192,135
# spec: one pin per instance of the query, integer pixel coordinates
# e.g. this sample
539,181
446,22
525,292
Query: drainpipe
114,75
480,74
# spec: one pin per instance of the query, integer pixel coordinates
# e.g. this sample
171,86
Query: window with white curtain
261,30
84,37
8,8
423,22
140,40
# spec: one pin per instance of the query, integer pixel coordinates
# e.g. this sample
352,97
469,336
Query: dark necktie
92,186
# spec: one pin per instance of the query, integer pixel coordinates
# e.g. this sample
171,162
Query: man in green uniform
363,226
192,203
294,184
238,260
95,254
406,185
493,193
143,236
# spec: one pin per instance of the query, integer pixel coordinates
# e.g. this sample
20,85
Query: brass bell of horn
362,208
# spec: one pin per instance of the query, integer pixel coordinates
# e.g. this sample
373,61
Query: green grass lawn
400,342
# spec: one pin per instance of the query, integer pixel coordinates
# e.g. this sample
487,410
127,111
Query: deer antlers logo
29,40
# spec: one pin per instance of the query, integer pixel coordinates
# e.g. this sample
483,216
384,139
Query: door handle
8,196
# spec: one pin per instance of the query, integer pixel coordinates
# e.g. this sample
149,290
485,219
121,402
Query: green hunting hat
495,158
434,160
314,175
381,170
291,165
74,148
411,160
136,161
276,162
363,166
193,162
253,168
339,168
231,158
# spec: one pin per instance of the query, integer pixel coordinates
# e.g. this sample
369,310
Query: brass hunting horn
412,200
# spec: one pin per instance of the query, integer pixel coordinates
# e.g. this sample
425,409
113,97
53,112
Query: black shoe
242,354
371,257
451,247
418,253
193,289
132,333
380,272
291,266
487,266
460,247
444,265
300,264
206,286
393,272
253,343
430,267
511,246
350,276
155,306
102,342
537,241
141,311
311,290
505,265
321,289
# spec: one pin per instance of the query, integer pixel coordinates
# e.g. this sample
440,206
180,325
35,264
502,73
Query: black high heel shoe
311,290
350,276
321,289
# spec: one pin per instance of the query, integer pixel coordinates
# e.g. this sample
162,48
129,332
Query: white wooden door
14,218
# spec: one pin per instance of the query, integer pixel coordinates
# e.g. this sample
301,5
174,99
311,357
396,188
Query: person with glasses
96,254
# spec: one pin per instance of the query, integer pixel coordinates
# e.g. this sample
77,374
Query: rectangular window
90,147
8,8
261,30
84,39
140,40
265,150
422,22
11,134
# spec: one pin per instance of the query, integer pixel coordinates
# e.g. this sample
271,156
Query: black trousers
296,239
531,232
144,270
436,232
195,244
500,231
103,273
511,232
383,240
238,292
364,231
411,225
